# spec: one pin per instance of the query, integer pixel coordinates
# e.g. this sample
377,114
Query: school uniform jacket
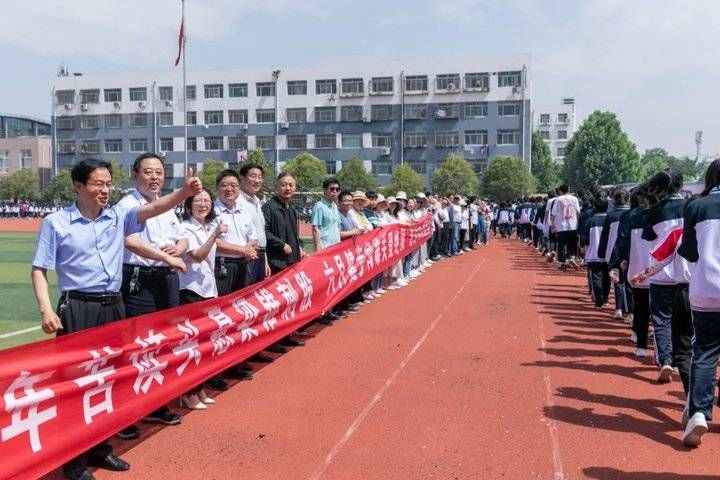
630,246
662,218
700,241
610,230
590,236
504,216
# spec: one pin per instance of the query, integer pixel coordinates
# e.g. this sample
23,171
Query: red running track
492,365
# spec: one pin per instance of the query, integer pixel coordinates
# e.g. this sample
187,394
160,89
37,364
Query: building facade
384,113
556,124
25,143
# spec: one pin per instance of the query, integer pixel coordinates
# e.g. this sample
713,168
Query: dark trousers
505,229
682,334
641,315
567,245
446,235
229,274
703,370
600,282
151,293
623,294
473,235
77,315
188,296
255,271
461,238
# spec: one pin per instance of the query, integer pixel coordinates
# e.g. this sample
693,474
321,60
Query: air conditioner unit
116,104
168,103
69,106
516,90
285,125
441,114
331,98
385,150
243,126
366,119
83,149
141,104
451,86
83,107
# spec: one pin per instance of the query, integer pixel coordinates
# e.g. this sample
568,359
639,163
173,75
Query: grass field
18,309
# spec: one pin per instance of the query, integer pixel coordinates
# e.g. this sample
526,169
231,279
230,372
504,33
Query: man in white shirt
251,181
564,220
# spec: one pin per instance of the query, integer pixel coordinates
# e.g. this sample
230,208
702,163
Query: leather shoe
276,348
129,433
111,462
302,333
163,416
291,342
263,358
79,475
238,373
217,383
326,320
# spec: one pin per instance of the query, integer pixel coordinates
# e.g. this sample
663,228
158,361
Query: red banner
95,382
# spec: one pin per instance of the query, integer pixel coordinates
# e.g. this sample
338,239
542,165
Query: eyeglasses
334,189
232,186
201,202
109,185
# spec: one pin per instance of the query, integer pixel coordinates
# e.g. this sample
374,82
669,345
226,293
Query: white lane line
360,418
19,332
558,473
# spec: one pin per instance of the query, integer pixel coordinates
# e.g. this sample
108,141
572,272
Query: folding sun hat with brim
401,196
390,200
358,195
380,199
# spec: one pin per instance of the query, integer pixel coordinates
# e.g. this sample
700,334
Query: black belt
150,270
103,298
220,260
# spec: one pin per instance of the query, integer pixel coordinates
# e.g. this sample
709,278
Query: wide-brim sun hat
401,196
380,199
390,200
359,196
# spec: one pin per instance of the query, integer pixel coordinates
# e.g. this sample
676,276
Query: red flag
181,40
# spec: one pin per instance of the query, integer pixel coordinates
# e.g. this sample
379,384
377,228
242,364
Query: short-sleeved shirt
200,276
253,206
162,230
326,217
347,222
566,210
241,229
86,254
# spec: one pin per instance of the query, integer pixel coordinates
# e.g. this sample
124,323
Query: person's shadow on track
608,473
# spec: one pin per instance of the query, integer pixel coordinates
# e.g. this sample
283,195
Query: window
166,144
447,110
138,94
238,90
113,146
191,118
479,166
214,90
25,158
351,86
297,87
562,134
331,168
476,109
447,139
213,143
90,147
545,134
214,117
562,118
4,164
237,116
415,140
295,142
65,96
296,115
380,112
165,119
192,144
325,114
138,145
561,151
419,167
325,86
65,123
415,111
63,147
138,120
325,140
476,137
351,140
238,142
265,89
113,120
381,85
447,81
508,137
544,119
265,142
166,93
508,109
190,92
479,81
416,83
381,140
265,115
113,95
353,113
509,79
89,121
381,168
89,96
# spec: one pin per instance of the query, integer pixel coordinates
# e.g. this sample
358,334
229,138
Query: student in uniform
84,244
596,262
608,239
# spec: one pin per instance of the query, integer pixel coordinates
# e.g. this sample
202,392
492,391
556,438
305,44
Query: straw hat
358,195
401,195
390,200
420,195
380,199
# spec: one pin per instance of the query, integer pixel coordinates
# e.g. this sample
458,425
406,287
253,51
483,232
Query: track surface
492,365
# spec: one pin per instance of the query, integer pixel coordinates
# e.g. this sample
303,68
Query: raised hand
193,185
221,229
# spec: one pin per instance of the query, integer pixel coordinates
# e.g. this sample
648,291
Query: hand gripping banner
63,395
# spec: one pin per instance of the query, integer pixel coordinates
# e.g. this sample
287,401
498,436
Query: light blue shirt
86,254
326,217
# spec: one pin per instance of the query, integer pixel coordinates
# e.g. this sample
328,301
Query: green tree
60,188
545,170
600,153
121,181
353,176
653,161
22,185
507,178
406,179
269,174
691,169
455,175
309,171
208,174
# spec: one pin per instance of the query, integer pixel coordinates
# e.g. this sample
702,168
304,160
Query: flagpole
184,51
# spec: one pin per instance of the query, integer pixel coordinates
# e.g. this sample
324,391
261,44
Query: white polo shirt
241,229
200,276
254,207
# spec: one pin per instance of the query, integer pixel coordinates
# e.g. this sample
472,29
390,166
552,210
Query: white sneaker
414,274
618,314
428,263
696,428
394,286
379,291
633,337
402,283
629,319
640,352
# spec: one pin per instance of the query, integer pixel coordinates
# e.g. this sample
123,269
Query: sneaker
129,433
379,291
164,416
633,337
666,372
685,416
402,283
618,314
696,428
640,352
629,319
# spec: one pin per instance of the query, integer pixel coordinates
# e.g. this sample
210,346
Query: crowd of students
25,209
656,249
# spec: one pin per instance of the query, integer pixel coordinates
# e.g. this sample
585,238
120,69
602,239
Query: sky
655,63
